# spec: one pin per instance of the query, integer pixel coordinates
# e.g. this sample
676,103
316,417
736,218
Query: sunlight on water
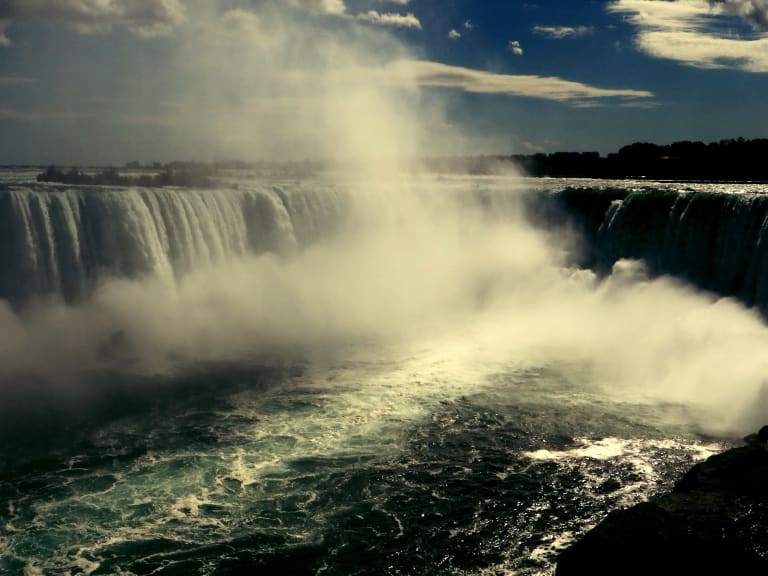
419,387
262,470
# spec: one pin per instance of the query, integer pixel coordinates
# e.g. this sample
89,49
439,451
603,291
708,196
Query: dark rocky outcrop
715,521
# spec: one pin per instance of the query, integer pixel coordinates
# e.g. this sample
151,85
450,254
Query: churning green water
412,462
296,379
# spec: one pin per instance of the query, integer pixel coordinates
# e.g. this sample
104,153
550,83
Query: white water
60,242
433,328
177,278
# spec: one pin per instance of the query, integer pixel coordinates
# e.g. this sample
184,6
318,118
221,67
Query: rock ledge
715,521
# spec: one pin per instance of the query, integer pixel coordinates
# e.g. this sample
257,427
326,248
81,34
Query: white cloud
662,14
560,32
469,25
698,33
401,2
515,47
437,75
704,51
321,6
454,35
142,17
391,19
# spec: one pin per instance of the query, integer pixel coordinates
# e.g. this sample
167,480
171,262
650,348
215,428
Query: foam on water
351,413
274,455
446,396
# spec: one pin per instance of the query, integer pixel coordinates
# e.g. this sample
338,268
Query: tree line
734,160
727,160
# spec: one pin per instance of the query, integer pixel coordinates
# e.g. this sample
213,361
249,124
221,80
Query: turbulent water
369,392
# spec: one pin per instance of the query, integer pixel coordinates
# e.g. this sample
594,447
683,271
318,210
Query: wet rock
610,485
715,521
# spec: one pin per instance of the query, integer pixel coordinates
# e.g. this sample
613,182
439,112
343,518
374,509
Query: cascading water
305,378
60,242
716,240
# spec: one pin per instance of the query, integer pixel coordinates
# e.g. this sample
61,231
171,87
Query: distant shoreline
735,161
726,161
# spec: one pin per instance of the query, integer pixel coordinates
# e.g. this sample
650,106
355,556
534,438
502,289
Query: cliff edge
715,521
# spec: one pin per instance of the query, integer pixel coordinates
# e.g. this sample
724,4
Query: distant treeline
735,160
189,175
726,160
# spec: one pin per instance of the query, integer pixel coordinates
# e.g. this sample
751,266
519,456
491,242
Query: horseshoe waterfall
325,375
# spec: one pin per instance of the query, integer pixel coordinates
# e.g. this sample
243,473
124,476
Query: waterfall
717,241
61,241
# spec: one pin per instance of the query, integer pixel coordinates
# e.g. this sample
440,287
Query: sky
110,81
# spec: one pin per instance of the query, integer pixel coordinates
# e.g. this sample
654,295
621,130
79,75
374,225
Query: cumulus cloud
434,74
469,25
560,32
699,33
142,17
391,19
515,47
454,35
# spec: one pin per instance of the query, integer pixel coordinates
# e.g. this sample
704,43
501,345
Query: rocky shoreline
715,521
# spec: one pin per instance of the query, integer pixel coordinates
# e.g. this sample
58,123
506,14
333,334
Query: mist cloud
418,261
413,263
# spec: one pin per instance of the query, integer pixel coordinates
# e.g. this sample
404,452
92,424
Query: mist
419,258
418,266
273,84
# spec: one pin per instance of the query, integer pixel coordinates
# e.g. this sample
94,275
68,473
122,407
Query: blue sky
107,81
